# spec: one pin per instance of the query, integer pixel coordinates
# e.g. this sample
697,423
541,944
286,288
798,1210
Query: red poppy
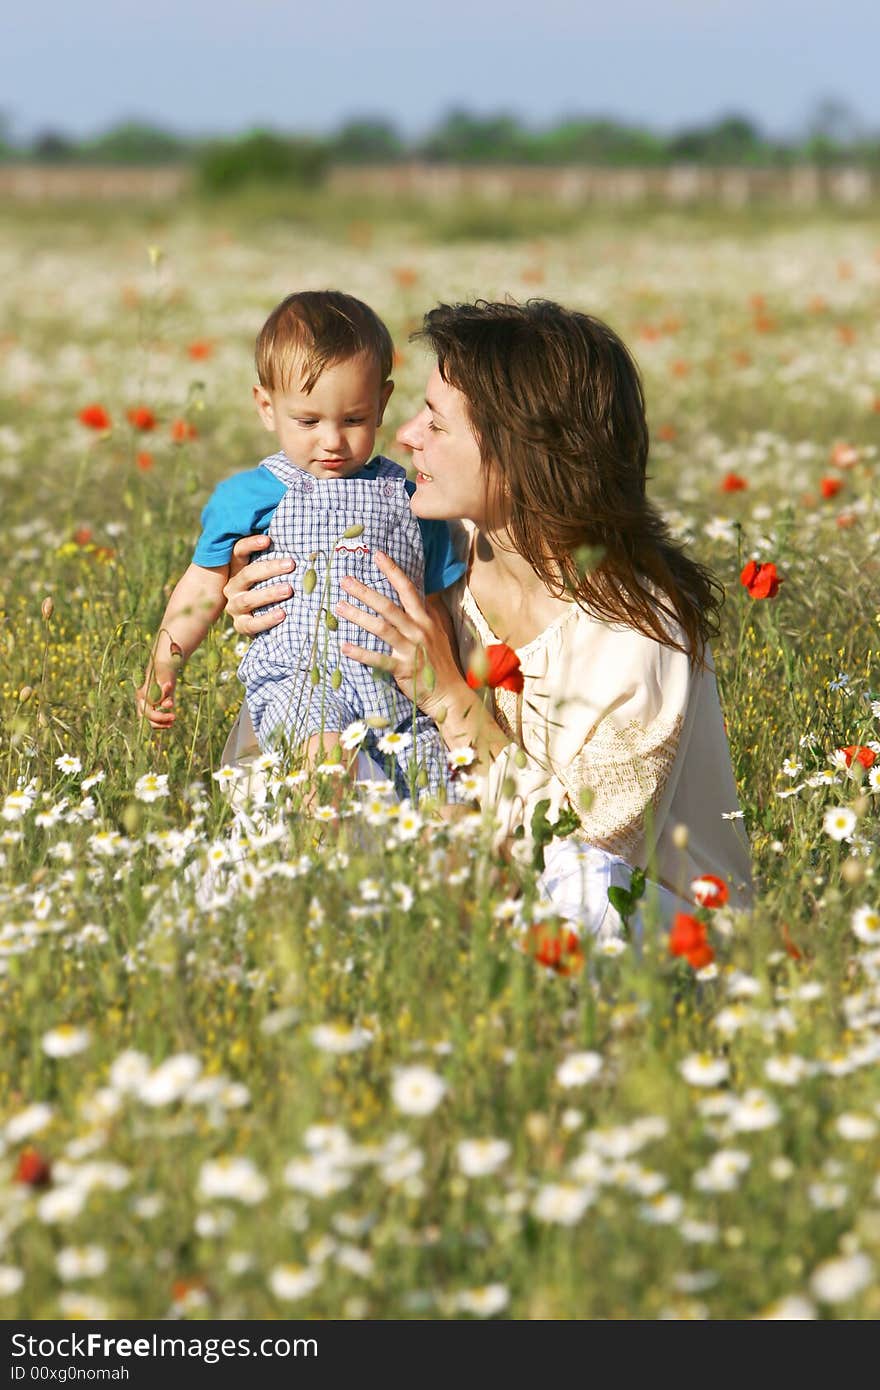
733,482
855,753
33,1168
701,956
688,938
680,367
141,417
144,462
687,934
791,948
667,433
495,665
181,430
200,349
83,535
830,487
94,417
558,949
710,891
760,580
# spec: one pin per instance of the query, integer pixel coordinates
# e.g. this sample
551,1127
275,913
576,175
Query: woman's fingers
391,620
406,590
248,624
245,579
363,654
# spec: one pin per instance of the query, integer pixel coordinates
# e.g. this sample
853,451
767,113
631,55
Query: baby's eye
307,424
433,427
355,420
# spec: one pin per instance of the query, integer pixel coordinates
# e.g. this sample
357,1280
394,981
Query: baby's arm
196,603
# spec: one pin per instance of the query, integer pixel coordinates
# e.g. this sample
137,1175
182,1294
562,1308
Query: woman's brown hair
556,403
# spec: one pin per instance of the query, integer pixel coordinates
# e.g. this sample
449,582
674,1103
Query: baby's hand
155,702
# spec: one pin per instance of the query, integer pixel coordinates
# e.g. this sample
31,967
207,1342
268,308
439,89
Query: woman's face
451,481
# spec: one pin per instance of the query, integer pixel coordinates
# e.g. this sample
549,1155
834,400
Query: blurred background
682,101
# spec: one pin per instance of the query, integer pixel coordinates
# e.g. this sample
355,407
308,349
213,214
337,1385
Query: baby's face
330,430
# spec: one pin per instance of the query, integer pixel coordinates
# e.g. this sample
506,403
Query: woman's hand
241,602
419,633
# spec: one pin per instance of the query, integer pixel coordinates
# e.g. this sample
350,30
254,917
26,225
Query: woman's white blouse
626,733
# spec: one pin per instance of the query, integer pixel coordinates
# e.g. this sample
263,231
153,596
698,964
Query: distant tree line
834,135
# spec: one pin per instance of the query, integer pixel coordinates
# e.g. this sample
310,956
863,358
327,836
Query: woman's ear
265,409
384,398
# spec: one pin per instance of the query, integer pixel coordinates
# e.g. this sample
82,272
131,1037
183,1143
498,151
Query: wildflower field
342,1066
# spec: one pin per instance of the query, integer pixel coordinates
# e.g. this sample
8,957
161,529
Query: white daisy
290,1282
839,822
856,1128
754,1111
65,1041
227,774
353,735
235,1178
562,1204
839,1280
170,1081
479,1157
394,742
68,764
865,923
81,1262
417,1090
702,1069
151,787
579,1069
339,1038
483,1302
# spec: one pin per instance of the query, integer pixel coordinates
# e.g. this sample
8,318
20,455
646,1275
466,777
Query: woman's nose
410,435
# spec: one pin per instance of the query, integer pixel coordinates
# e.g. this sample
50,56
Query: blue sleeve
442,568
239,506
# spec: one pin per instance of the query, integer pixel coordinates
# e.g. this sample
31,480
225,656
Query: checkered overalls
308,526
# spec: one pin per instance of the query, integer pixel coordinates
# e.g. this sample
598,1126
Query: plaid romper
277,670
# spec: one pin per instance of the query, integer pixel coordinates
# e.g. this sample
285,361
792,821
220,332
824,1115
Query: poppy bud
377,721
352,531
315,676
428,677
336,679
33,1168
47,608
310,579
332,622
176,654
520,758
154,694
680,836
25,694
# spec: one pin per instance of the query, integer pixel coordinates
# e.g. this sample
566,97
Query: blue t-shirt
244,505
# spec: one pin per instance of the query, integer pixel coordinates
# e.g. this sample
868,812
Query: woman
533,436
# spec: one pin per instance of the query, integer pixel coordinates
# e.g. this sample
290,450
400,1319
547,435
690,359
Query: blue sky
222,65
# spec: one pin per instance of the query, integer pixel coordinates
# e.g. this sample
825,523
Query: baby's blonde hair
314,329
